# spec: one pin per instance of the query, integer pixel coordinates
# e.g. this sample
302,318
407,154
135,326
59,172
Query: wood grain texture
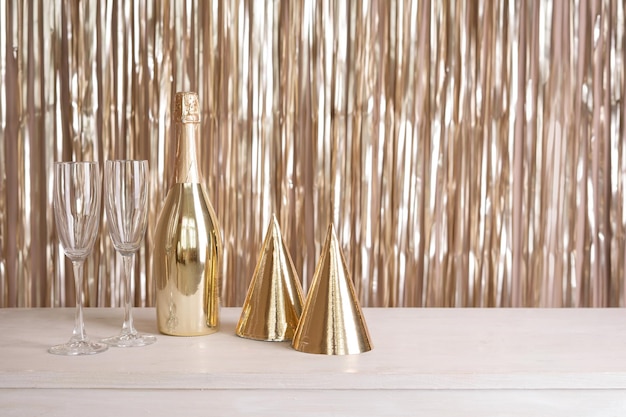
479,361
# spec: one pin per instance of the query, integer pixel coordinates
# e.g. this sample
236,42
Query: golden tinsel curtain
469,153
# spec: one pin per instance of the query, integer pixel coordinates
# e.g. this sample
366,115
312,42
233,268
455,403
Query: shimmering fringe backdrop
470,153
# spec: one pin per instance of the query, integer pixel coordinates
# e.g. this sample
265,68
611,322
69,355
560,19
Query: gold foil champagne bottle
187,244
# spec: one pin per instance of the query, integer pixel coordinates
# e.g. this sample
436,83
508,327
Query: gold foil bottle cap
332,322
186,108
273,303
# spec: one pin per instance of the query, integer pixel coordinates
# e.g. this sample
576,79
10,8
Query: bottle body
188,248
186,263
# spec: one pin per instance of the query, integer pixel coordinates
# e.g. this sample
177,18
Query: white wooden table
432,362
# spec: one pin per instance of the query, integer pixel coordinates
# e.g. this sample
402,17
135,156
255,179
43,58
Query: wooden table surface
440,362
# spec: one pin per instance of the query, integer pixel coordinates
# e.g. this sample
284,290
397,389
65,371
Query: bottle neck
186,166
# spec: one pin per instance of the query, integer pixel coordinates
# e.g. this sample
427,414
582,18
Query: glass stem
79,324
128,327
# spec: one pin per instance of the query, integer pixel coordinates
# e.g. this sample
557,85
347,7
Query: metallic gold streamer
470,153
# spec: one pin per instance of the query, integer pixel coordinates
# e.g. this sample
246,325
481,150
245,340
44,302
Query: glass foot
130,340
78,347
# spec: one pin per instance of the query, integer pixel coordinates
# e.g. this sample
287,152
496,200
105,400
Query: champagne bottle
187,244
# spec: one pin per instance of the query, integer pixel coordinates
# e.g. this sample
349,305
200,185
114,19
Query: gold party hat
274,300
332,322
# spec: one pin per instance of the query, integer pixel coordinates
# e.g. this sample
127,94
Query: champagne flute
77,215
126,202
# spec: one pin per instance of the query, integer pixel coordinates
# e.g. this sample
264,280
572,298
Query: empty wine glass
77,215
126,202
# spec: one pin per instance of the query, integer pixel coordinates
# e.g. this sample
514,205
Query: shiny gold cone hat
332,322
273,303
